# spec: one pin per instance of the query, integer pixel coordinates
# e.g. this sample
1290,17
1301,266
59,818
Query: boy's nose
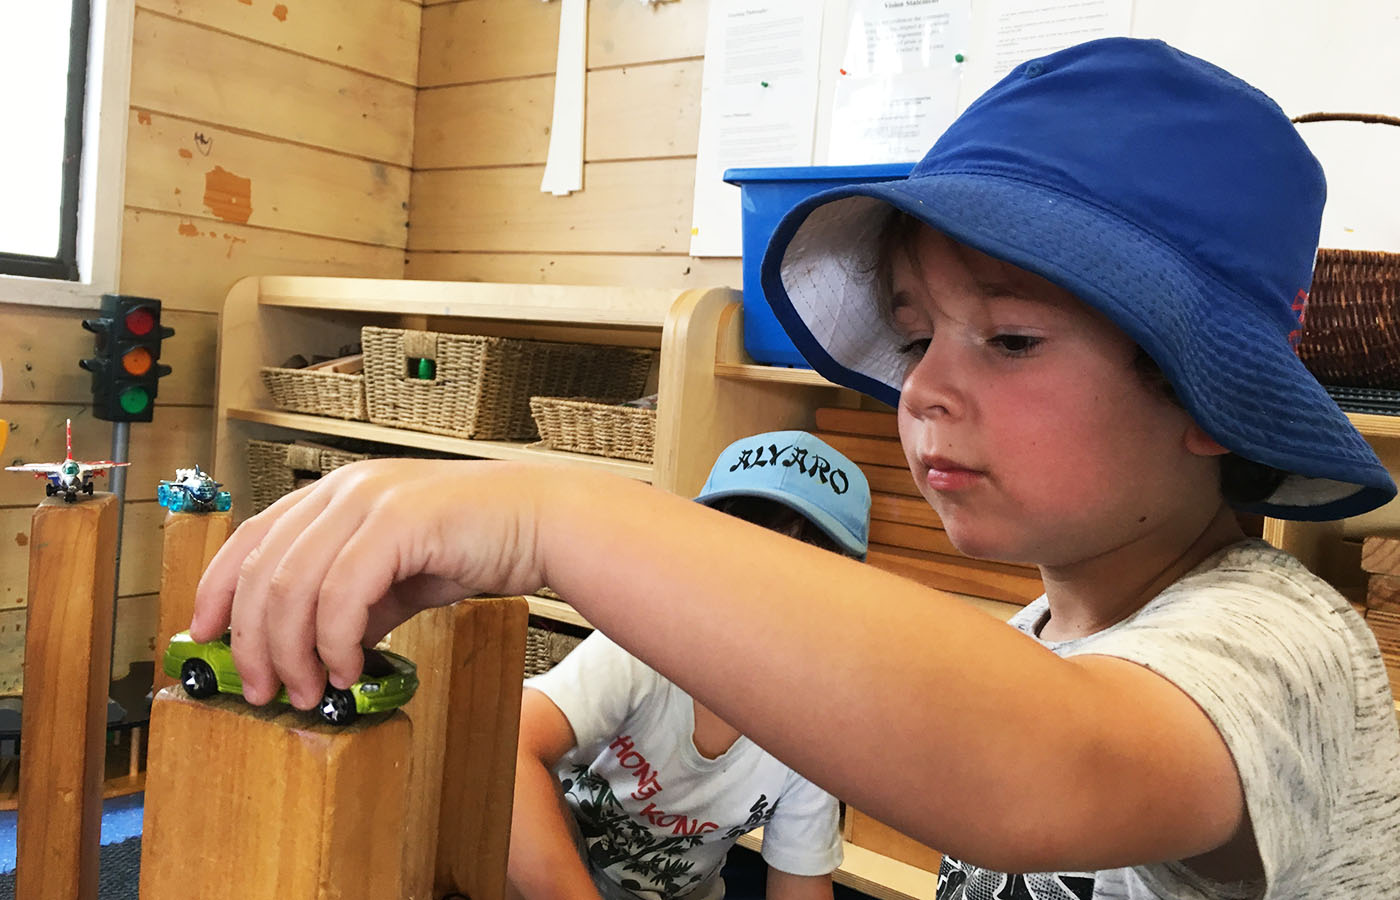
931,385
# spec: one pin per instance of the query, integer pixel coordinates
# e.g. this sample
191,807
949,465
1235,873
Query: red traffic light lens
139,321
137,361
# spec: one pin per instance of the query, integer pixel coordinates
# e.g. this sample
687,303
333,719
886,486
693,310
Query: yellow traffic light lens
137,361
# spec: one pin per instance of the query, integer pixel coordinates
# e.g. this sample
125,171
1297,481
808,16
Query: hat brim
1229,363
851,544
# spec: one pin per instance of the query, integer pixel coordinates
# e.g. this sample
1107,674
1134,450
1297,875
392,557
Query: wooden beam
67,667
478,760
191,540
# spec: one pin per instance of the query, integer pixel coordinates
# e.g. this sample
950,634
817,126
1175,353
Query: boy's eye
1015,344
918,347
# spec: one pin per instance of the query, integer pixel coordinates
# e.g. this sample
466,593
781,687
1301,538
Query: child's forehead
937,260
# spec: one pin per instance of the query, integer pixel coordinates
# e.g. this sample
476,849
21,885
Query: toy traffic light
126,368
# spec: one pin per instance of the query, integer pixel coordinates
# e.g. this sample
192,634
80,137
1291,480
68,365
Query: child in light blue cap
655,787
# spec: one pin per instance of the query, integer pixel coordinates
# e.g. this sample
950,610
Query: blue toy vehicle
193,491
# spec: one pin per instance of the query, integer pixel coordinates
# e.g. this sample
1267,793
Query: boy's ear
1202,444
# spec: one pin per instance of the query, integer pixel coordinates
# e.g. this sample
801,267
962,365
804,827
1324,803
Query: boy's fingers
267,595
359,578
213,603
298,598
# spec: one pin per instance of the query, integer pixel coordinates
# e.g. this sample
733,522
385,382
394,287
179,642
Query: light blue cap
802,472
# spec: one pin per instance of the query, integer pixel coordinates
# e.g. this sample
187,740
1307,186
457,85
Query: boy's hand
334,566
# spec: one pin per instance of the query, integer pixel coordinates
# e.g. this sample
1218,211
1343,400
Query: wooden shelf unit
268,319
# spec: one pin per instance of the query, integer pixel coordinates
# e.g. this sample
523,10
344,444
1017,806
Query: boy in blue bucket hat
1082,304
655,787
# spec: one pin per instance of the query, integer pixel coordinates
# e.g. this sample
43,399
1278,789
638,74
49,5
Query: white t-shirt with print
1292,678
657,817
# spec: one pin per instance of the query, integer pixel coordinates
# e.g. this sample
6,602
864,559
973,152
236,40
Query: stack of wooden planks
905,534
1380,558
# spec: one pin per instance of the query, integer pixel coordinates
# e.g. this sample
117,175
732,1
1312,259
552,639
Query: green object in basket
427,369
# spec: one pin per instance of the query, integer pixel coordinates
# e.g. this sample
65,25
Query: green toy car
387,682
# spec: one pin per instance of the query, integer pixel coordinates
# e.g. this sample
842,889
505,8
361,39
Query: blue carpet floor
121,819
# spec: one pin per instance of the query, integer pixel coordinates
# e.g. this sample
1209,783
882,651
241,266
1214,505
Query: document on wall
758,106
1025,29
899,79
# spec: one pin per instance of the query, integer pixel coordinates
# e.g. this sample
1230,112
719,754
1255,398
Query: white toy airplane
69,477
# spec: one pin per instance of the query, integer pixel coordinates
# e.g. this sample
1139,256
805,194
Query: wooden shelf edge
870,872
776,374
571,304
556,610
1375,425
401,437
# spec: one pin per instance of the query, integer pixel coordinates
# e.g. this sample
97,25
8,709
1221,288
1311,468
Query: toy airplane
70,477
193,491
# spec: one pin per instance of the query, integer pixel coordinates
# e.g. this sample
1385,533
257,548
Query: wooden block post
478,776
191,540
265,803
67,669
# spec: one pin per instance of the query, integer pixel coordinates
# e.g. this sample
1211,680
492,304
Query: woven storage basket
594,426
1351,326
317,393
546,647
273,467
482,385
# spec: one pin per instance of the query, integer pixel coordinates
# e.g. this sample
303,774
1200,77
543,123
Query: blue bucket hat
802,472
1164,192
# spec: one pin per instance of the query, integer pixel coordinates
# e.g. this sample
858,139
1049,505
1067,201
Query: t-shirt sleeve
597,686
1271,669
804,835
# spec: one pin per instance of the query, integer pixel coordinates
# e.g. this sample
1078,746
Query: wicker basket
1351,327
481,386
1351,331
317,393
546,645
273,467
596,427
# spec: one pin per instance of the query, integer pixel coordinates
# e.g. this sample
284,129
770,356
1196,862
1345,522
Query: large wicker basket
316,393
596,427
481,386
1351,324
275,467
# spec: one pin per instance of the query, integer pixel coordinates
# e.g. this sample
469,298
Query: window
64,77
43,74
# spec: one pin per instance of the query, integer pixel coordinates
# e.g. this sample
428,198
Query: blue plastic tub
767,194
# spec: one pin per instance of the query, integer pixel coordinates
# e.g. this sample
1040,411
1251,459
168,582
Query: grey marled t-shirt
1292,678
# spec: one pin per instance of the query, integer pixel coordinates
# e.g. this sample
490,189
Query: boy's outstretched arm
786,886
544,859
921,710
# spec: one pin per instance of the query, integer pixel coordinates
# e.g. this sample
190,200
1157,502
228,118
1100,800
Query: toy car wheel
198,679
338,706
178,501
50,490
87,489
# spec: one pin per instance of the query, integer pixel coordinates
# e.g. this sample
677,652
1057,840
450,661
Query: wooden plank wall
485,103
264,137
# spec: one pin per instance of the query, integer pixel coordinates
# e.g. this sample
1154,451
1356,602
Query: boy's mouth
942,474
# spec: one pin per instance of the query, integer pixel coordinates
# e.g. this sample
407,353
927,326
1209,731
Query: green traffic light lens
134,400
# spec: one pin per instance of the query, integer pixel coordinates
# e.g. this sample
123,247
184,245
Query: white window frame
103,175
